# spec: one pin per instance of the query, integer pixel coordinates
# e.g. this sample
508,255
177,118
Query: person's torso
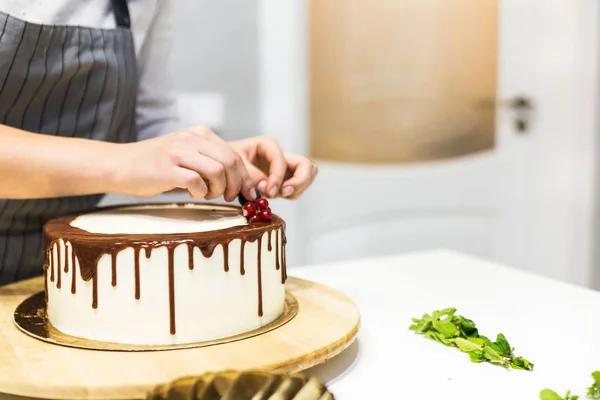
60,80
87,13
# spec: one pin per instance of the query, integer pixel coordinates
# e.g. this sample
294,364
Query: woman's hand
278,173
194,159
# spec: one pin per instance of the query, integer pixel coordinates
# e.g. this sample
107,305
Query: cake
163,274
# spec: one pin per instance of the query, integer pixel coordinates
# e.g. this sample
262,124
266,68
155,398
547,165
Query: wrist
111,172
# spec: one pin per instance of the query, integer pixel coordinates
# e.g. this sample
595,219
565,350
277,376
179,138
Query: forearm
37,166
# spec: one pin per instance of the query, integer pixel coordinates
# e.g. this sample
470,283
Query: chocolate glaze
190,247
269,247
242,258
51,261
136,272
283,259
113,267
46,284
73,274
58,266
226,256
66,262
87,248
171,251
259,274
277,251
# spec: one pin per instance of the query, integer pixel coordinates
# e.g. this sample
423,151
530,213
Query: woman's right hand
195,159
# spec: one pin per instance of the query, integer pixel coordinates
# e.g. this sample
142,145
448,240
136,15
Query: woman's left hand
277,173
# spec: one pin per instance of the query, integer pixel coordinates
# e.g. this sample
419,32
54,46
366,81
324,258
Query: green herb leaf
466,346
593,391
548,394
447,328
478,341
521,363
503,345
494,357
438,337
477,356
467,327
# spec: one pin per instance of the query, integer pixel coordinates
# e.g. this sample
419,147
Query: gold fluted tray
242,385
30,317
327,323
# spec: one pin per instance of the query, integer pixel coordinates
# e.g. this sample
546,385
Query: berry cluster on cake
165,273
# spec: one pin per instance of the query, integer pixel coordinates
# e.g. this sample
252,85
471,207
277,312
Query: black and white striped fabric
65,81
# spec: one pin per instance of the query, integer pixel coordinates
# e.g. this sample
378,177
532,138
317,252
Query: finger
191,181
236,175
304,172
210,170
258,178
270,150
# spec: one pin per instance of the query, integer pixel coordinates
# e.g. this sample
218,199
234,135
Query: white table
552,324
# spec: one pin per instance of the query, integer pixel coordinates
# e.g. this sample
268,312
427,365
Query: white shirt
151,25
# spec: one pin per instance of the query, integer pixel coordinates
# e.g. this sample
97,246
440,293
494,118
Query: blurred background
469,125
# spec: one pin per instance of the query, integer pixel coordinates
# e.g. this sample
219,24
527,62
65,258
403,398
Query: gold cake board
326,324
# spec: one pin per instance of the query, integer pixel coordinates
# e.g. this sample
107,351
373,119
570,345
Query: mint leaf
466,346
478,341
521,363
502,345
446,328
433,335
421,326
593,391
494,357
477,356
548,394
467,327
449,329
446,312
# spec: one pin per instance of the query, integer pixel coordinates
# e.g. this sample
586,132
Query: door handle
522,106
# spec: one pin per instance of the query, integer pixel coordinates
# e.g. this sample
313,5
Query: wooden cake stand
326,324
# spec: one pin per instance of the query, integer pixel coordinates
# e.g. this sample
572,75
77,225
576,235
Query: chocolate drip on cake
58,266
208,249
226,256
259,273
113,268
94,289
171,252
269,247
136,272
283,259
277,250
51,255
46,283
74,271
190,247
87,249
242,270
66,260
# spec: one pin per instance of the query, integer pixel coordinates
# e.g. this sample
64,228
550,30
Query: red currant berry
248,210
265,214
255,218
262,203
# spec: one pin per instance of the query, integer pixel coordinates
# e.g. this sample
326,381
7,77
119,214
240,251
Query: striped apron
67,81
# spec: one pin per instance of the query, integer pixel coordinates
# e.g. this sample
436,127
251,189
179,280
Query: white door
529,201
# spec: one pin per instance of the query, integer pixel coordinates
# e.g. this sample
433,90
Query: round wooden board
326,324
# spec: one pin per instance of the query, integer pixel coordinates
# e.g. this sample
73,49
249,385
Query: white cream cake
163,274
